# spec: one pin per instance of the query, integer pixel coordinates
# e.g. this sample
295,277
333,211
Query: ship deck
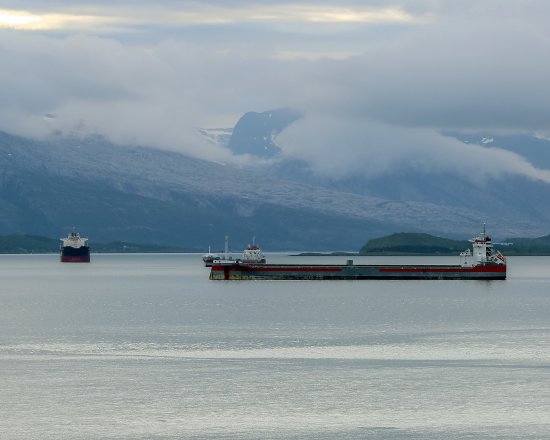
240,271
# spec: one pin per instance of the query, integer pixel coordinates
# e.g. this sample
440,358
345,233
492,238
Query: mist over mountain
508,200
379,120
112,192
536,149
153,196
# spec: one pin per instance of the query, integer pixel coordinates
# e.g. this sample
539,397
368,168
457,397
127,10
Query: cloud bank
378,80
339,148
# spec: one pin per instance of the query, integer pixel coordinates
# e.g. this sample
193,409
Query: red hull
241,271
75,258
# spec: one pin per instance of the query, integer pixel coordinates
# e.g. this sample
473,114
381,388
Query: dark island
405,243
426,244
412,243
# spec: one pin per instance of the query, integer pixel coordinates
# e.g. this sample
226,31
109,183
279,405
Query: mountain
135,194
528,246
255,133
516,203
535,149
144,195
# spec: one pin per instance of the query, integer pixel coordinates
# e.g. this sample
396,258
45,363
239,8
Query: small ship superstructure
74,249
482,263
253,254
209,258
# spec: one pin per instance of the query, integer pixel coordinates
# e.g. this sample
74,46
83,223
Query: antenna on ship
226,247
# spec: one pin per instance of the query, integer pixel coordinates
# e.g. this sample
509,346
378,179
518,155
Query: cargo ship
209,258
251,254
74,249
481,263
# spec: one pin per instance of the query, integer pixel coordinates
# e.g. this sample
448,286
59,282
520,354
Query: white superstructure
74,240
253,254
482,252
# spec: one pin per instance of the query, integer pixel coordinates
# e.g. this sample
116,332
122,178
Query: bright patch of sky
24,20
197,13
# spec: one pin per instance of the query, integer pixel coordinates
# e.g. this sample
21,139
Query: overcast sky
377,80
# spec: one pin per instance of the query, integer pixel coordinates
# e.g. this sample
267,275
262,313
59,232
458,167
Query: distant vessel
74,249
209,258
482,263
253,254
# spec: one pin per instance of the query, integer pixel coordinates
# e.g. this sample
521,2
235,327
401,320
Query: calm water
146,347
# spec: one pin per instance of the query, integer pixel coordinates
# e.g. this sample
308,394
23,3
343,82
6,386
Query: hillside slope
415,244
406,243
152,196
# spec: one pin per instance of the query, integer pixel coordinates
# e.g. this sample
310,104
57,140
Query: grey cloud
353,146
473,65
382,110
154,96
441,76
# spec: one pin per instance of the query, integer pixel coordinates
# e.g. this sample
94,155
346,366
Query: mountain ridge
140,194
